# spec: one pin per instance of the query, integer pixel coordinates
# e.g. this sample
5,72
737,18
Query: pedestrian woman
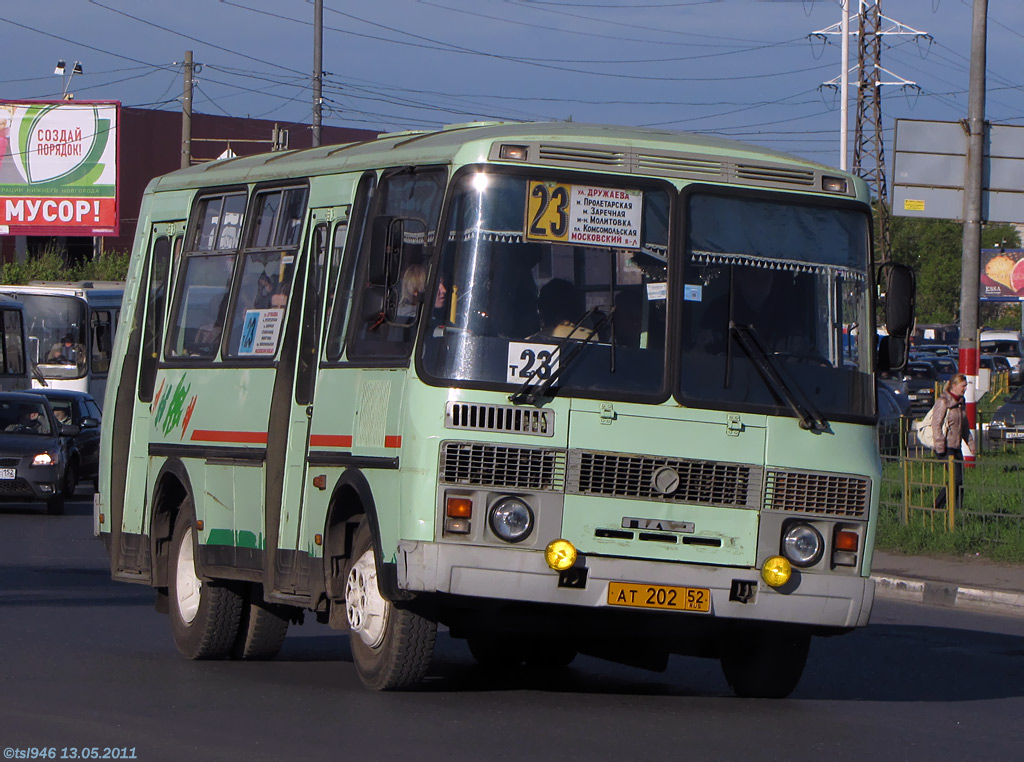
949,429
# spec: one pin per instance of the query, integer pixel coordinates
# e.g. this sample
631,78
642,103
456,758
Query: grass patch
990,522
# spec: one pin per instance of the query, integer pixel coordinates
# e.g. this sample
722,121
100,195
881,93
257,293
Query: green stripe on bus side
248,540
243,539
220,537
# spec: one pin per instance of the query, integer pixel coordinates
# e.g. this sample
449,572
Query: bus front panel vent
776,176
818,494
583,156
480,464
678,166
507,418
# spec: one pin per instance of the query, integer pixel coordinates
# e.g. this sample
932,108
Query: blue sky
734,68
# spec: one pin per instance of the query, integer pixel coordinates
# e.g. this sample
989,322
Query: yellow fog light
560,554
776,571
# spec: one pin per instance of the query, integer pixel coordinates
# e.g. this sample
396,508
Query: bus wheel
391,647
765,663
204,615
261,631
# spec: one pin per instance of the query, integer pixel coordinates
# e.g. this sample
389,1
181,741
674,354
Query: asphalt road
86,663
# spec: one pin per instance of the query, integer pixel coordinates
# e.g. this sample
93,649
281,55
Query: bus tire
391,647
204,615
261,632
765,663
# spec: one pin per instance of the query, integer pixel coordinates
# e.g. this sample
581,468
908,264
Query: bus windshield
789,278
56,330
521,275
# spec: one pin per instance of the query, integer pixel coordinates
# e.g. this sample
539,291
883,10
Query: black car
1007,424
80,410
34,450
918,381
894,418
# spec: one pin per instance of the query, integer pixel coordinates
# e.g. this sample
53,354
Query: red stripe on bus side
246,437
392,441
330,440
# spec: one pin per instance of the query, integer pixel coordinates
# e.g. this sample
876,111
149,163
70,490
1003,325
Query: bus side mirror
900,290
385,250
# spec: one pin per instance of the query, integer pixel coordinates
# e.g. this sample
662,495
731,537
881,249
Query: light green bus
558,388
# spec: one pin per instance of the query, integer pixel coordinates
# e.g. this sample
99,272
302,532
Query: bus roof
633,150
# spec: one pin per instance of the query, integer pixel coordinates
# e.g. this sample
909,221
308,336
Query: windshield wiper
774,375
531,392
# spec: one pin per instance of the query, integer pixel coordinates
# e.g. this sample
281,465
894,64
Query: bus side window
394,264
156,301
14,352
201,299
268,268
102,340
339,283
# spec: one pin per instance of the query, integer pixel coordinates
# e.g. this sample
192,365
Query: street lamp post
60,69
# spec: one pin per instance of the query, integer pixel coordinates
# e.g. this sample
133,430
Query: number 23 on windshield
547,211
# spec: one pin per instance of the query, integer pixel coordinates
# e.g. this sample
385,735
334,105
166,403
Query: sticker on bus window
259,332
657,292
583,214
530,362
693,293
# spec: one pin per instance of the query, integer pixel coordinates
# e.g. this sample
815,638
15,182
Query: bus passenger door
326,245
129,461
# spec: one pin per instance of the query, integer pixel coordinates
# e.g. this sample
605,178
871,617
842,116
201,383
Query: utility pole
318,68
970,274
186,114
868,150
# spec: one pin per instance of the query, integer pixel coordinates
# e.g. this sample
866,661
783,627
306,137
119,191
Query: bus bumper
823,600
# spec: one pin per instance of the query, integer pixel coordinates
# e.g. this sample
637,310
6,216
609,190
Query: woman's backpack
924,428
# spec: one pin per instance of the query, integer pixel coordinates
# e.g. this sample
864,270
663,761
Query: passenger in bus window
279,299
67,351
414,280
560,305
264,292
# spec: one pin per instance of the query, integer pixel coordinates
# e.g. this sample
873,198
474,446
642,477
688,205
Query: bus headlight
802,544
511,519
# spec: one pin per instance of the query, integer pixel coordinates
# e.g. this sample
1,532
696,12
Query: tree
934,248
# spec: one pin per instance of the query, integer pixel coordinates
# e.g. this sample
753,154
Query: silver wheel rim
188,587
366,609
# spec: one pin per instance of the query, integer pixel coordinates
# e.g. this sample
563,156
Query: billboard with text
58,168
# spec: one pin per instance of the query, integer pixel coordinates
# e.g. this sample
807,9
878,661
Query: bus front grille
489,465
817,493
697,482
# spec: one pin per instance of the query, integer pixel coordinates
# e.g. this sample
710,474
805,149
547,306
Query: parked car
1007,424
33,452
81,410
995,363
917,381
945,366
894,419
1009,345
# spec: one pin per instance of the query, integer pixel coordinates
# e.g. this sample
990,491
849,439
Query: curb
947,594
